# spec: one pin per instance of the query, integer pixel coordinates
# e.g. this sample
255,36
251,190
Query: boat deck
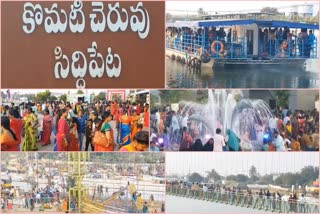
259,61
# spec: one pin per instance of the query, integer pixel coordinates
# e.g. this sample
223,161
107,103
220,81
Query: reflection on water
181,76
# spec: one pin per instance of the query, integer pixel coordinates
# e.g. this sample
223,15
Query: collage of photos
160,106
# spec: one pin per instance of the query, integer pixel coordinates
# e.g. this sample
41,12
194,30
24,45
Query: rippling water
181,76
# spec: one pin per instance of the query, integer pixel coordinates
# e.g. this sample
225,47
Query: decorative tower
77,169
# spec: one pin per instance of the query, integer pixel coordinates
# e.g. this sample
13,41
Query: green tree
253,171
282,98
269,10
202,96
43,96
53,98
242,178
117,98
169,17
201,12
153,100
80,92
100,96
196,177
213,174
63,98
266,179
308,174
3,95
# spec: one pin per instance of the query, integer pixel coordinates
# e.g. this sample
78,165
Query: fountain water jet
247,118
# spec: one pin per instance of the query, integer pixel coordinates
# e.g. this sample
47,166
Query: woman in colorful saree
146,116
47,128
74,145
54,129
134,123
30,126
63,131
233,141
139,143
8,139
104,134
16,123
125,121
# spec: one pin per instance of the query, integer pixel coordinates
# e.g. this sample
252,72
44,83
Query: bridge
239,201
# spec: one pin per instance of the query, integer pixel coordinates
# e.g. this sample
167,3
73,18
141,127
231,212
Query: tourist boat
246,41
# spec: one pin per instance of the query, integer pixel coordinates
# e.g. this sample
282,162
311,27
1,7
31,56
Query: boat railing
214,47
289,48
247,200
240,48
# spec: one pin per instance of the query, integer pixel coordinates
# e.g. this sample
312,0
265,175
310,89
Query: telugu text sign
82,44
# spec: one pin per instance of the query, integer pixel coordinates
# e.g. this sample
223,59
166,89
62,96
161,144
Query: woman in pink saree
47,128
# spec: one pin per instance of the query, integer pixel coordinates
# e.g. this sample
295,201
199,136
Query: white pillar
255,39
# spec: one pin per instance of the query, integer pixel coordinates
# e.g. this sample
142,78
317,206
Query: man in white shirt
219,142
184,122
286,119
174,126
157,114
279,142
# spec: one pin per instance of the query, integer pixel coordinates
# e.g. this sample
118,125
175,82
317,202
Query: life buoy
284,45
214,47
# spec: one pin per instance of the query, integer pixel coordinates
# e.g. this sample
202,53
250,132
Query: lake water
181,76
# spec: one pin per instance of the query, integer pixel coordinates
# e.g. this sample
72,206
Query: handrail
245,200
238,48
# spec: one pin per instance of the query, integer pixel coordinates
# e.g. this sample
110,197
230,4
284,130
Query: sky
190,6
226,163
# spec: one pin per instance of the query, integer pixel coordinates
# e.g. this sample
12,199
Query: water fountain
247,118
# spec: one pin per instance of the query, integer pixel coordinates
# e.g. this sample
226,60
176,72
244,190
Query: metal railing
290,48
245,200
238,48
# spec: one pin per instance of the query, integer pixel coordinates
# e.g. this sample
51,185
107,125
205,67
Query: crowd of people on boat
277,41
99,126
286,131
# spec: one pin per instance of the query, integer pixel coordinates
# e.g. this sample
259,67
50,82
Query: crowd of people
143,206
254,198
41,198
286,131
272,41
100,126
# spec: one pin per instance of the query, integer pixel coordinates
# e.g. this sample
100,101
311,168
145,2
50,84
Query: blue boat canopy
261,23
